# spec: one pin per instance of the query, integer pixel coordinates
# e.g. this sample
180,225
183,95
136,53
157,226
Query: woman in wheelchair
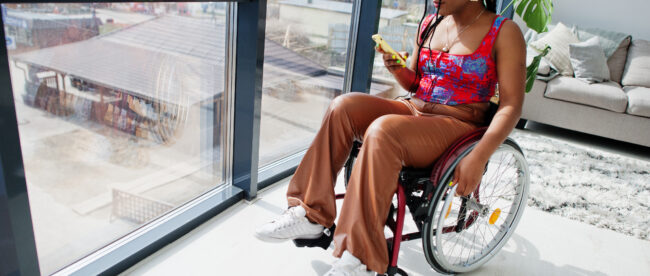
462,52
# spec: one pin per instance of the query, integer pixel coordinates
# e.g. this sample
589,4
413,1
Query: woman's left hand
468,174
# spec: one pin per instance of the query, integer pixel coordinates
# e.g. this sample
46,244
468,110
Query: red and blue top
459,79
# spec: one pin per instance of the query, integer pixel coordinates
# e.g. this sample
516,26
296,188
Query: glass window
304,61
305,55
120,109
398,25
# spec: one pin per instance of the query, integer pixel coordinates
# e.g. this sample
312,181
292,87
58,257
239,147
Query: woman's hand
391,62
468,174
404,75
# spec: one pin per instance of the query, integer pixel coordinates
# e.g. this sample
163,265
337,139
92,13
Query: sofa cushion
588,61
606,95
616,62
559,39
637,67
638,100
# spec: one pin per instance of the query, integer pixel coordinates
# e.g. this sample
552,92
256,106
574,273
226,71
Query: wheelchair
459,234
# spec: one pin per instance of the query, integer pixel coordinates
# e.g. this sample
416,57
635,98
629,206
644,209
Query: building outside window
121,112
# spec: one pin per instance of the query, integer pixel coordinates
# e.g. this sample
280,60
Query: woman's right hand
391,62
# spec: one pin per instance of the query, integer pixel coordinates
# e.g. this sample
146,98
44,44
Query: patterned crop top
459,79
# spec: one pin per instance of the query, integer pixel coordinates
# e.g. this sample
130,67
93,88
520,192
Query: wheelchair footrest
323,241
393,270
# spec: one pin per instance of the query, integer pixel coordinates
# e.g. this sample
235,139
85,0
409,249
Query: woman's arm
404,75
511,69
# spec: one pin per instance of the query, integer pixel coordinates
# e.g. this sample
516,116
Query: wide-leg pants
394,133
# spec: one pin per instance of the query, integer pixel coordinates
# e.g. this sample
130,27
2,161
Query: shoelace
288,218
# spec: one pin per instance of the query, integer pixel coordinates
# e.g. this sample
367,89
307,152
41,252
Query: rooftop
45,16
33,20
180,49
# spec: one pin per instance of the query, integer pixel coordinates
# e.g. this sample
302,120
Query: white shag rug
600,188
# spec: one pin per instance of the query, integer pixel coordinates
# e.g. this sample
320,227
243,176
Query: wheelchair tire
462,233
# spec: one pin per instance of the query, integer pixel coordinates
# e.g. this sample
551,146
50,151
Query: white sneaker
349,265
291,225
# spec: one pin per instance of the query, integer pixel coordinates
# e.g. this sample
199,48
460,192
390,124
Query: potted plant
536,14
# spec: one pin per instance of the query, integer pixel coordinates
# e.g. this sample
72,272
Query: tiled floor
543,244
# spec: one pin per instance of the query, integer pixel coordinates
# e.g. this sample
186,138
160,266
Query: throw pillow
588,61
637,68
614,45
559,39
531,35
616,62
609,40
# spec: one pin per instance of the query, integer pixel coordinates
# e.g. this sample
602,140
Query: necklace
446,48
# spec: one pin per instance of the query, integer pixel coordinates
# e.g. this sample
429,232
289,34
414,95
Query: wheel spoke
503,187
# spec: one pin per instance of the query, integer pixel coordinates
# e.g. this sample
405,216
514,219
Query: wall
626,16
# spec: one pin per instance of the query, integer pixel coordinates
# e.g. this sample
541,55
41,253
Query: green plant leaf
536,13
531,70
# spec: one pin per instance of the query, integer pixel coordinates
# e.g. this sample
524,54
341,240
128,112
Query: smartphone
384,46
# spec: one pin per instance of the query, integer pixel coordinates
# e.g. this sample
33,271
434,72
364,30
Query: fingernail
393,56
404,65
397,61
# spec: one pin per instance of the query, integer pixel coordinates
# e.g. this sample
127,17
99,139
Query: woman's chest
460,67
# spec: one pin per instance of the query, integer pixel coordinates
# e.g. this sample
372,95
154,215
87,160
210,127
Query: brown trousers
395,133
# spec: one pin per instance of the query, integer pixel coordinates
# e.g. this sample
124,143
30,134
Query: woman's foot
291,225
348,265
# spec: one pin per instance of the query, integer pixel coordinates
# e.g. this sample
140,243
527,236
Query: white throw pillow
637,68
588,61
559,39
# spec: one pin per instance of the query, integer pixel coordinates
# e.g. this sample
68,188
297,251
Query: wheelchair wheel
462,233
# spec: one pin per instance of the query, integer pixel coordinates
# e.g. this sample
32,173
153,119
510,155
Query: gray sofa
617,109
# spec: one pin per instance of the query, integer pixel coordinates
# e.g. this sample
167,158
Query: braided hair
490,5
430,29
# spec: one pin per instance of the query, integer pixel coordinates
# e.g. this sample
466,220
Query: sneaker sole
279,240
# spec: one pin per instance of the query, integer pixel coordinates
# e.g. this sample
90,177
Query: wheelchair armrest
452,154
